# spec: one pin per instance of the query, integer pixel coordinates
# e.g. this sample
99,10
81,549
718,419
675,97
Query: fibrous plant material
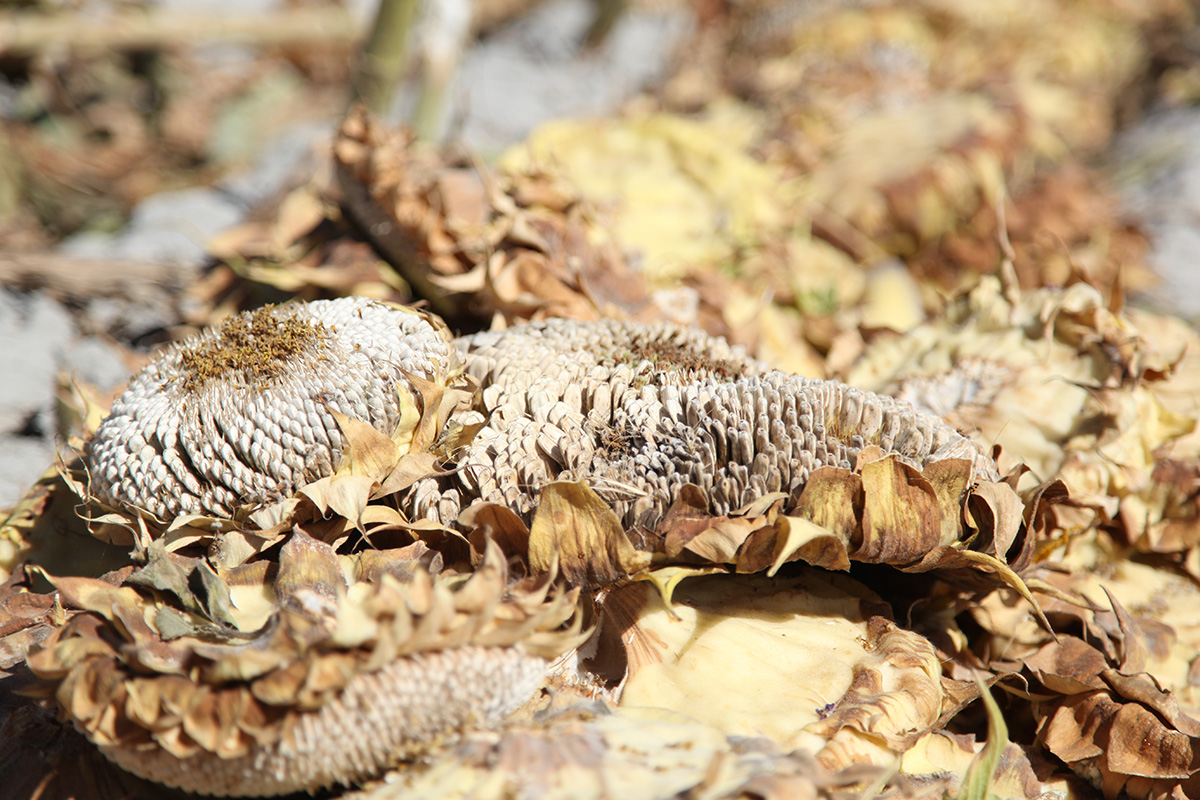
640,412
335,686
248,413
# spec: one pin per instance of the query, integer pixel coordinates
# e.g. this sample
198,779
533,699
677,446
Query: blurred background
801,176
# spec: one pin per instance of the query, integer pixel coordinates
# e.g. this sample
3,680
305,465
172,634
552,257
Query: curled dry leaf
1140,615
841,516
1112,695
577,531
46,528
819,670
883,512
1121,731
26,619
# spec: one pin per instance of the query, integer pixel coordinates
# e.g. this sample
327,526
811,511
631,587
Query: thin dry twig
24,33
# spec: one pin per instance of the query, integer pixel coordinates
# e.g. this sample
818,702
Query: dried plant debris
1103,400
772,265
1110,695
909,117
247,706
711,221
832,662
687,491
855,135
686,192
594,753
43,758
1063,227
882,512
638,432
647,754
868,692
742,245
519,244
100,129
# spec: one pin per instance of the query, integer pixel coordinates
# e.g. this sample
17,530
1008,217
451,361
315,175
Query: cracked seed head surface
242,414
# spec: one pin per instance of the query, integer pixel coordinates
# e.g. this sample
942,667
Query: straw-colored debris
1103,400
227,689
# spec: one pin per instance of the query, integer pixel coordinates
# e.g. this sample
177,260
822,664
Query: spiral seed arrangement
243,415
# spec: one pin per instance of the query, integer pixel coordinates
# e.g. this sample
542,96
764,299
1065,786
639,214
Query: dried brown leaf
804,540
901,518
490,522
307,565
367,453
575,529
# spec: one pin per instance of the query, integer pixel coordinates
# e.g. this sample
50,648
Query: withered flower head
640,411
245,414
248,414
327,691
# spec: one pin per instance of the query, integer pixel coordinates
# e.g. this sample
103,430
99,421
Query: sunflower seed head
324,693
640,411
424,698
241,415
563,351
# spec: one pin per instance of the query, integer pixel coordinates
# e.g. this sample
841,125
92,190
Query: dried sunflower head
247,413
639,412
336,685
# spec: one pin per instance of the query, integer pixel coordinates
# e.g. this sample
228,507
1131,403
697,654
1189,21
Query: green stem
385,54
607,14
